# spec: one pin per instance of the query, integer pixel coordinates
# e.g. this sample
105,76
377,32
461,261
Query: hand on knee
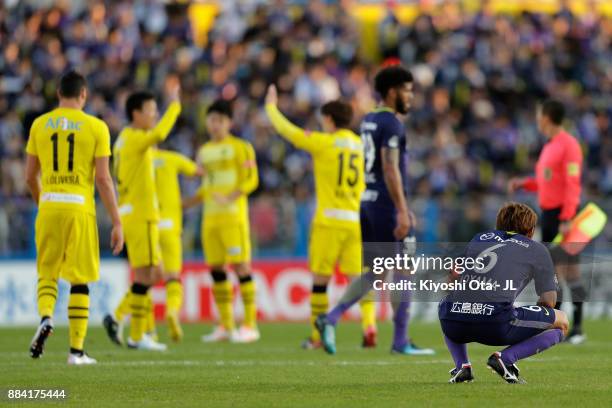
561,322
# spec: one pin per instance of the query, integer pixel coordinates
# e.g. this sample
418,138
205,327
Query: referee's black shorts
549,222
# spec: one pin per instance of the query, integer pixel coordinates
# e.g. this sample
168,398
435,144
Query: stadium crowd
478,79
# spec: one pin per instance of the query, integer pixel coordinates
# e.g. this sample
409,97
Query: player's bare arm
515,184
32,176
393,181
165,124
104,184
548,299
192,201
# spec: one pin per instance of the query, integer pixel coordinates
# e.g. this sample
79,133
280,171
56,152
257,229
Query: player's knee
79,289
241,269
320,280
561,321
157,274
218,275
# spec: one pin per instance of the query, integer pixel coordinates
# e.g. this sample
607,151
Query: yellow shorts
226,244
67,246
330,246
142,242
171,250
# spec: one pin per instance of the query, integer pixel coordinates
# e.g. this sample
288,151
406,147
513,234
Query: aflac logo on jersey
62,123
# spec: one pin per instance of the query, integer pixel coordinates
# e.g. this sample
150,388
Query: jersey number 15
352,175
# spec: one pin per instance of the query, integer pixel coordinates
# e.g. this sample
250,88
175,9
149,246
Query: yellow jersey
168,166
229,165
66,142
133,167
338,169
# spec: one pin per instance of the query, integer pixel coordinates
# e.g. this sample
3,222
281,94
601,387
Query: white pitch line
248,363
273,363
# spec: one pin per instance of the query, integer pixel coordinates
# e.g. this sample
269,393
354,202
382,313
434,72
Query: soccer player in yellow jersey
230,175
168,166
67,153
139,207
335,236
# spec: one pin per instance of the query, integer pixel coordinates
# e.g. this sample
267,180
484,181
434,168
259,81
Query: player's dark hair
391,77
71,84
553,110
341,113
516,217
135,102
222,107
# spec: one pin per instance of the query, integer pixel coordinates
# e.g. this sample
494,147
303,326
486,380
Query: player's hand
200,172
222,199
174,90
514,184
565,227
117,239
271,95
402,225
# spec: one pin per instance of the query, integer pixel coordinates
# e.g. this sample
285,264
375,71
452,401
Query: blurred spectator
478,79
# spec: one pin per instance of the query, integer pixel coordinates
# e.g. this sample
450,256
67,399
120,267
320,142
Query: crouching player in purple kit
509,256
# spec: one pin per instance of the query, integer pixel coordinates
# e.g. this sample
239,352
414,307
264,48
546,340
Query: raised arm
309,141
161,131
163,127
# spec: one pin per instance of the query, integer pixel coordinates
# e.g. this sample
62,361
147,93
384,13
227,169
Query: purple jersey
506,258
381,128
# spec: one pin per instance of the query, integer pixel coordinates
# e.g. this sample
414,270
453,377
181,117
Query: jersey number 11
70,140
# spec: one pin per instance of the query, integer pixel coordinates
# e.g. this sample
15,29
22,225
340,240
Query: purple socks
458,351
357,289
531,346
401,314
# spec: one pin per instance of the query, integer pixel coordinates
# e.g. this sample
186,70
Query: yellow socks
318,305
223,293
124,307
174,296
47,296
78,314
368,311
247,291
150,315
138,307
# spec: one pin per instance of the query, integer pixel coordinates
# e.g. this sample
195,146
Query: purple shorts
524,322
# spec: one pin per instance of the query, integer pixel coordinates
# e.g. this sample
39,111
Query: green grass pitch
275,372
